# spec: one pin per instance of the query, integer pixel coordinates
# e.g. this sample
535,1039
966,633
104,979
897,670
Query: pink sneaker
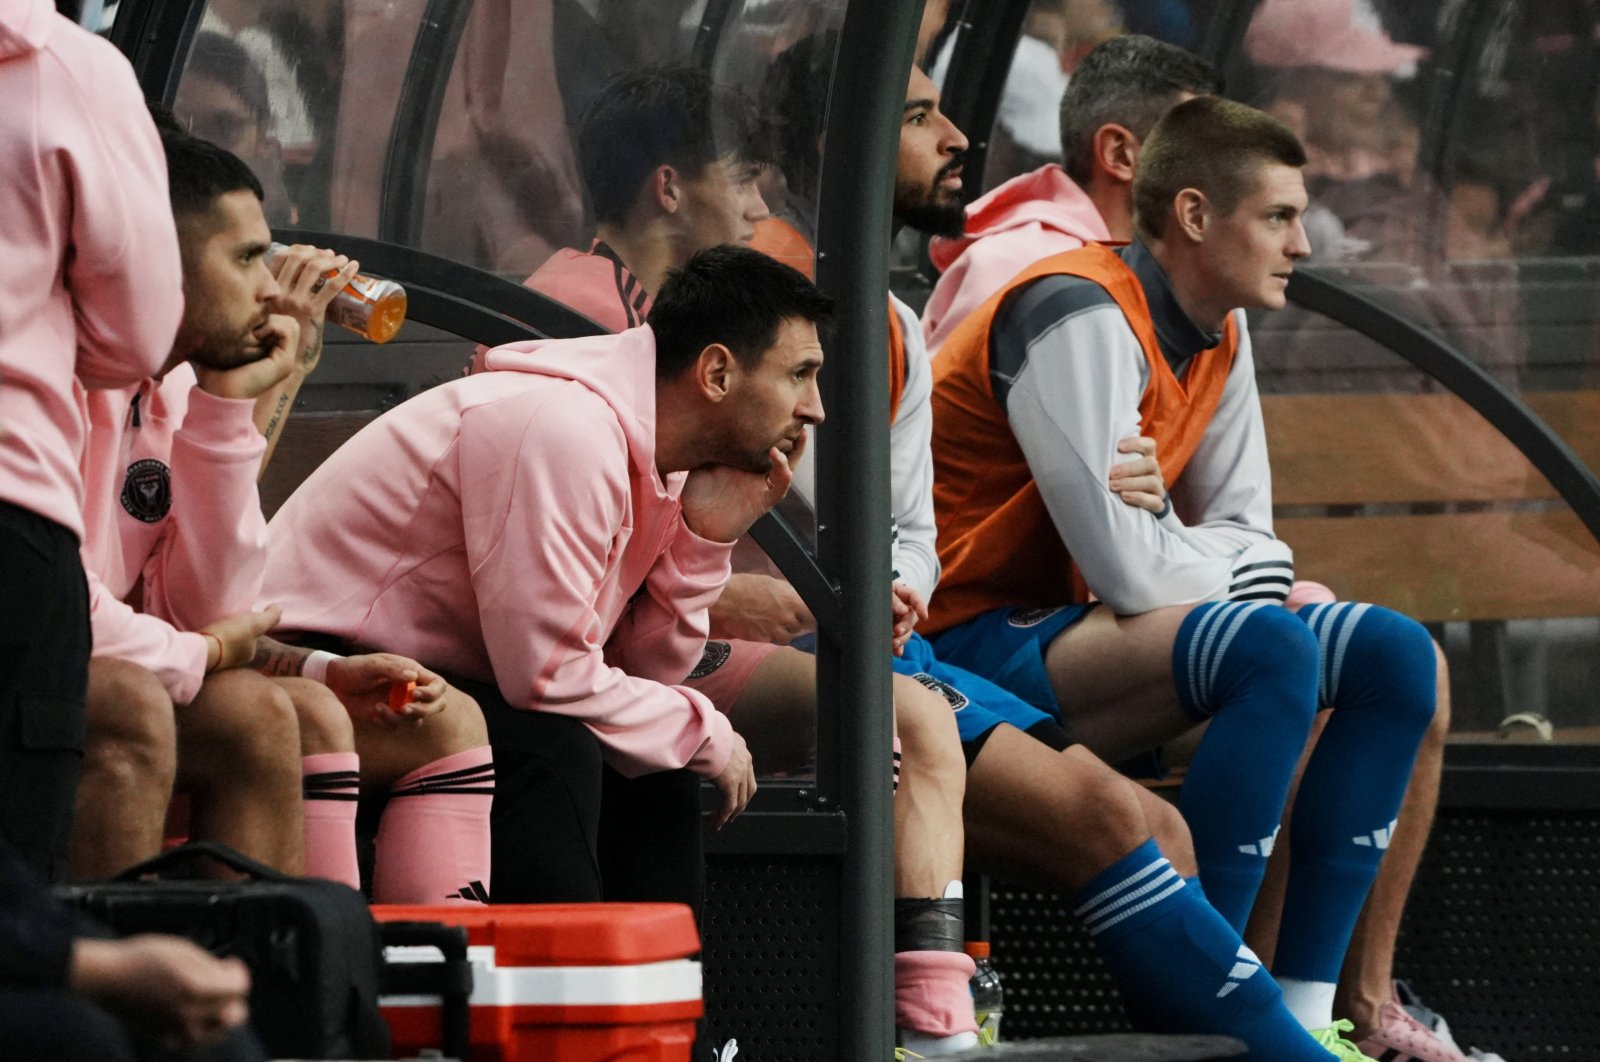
1402,1038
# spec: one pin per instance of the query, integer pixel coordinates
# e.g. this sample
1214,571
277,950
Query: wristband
316,666
213,637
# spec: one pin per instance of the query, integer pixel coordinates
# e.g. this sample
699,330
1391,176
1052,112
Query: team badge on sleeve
147,491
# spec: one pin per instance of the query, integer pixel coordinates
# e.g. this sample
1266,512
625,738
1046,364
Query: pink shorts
725,668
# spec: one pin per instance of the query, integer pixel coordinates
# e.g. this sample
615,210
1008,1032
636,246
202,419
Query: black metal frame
713,22
853,686
972,104
416,120
154,36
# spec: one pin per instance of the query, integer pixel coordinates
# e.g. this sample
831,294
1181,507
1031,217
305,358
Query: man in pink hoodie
1112,102
549,532
175,534
89,288
172,546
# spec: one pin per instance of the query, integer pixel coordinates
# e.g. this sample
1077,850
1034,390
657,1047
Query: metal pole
860,146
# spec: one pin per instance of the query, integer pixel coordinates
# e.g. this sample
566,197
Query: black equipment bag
311,945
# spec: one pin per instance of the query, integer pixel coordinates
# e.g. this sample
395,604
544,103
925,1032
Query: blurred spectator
502,191
290,122
223,98
89,288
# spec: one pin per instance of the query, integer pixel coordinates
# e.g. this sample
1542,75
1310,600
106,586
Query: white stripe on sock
1144,871
1128,897
1130,912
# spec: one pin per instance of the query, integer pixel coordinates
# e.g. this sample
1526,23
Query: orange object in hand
400,695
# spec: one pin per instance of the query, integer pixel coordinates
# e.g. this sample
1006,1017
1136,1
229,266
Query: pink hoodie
170,482
1030,217
511,527
90,282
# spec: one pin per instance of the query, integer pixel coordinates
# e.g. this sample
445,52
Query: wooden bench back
1465,528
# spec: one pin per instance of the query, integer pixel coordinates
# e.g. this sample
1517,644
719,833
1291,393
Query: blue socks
1179,966
1260,672
1377,674
1251,667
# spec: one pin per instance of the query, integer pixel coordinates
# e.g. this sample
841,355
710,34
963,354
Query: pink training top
1031,216
511,526
170,481
596,284
90,281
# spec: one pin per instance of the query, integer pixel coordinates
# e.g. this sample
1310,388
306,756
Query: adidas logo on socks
1263,847
1378,838
1243,969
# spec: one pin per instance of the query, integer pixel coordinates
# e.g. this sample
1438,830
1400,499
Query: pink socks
931,994
332,786
433,844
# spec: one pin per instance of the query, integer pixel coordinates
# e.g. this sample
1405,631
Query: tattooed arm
305,292
278,660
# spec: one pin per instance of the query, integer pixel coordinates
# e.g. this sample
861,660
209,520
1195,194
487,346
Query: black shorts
44,677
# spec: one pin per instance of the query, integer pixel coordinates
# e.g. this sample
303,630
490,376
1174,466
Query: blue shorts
1006,646
979,704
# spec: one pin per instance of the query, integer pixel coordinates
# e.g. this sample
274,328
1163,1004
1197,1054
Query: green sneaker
1335,1044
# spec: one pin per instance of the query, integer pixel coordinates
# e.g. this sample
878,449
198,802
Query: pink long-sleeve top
90,281
170,507
511,527
1032,216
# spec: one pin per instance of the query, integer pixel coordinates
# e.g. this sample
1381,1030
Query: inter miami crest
954,697
1030,617
716,654
147,490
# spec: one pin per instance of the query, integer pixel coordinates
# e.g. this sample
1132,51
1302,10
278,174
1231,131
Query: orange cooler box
594,982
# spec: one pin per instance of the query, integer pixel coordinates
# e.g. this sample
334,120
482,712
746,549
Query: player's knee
131,729
259,740
1281,652
926,725
1116,816
1282,642
1397,653
323,724
456,729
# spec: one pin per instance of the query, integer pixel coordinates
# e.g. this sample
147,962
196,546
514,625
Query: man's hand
306,291
231,641
721,502
1138,482
167,984
759,608
280,347
909,609
362,685
737,782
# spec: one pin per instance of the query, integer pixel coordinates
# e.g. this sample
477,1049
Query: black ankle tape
928,925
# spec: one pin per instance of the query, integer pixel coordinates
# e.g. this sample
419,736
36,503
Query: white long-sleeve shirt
1071,372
